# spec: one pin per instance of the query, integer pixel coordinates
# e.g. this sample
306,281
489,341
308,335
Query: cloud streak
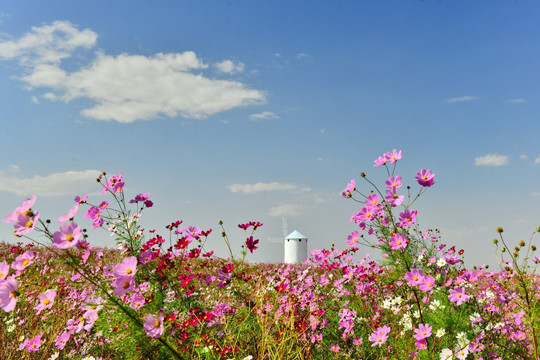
264,116
461,99
492,160
125,88
56,184
261,187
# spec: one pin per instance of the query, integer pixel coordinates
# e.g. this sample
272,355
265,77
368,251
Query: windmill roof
295,235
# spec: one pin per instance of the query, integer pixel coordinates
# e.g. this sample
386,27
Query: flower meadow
162,294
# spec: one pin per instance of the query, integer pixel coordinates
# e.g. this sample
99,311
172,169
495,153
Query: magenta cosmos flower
352,239
68,235
8,294
414,277
425,178
128,267
153,325
407,217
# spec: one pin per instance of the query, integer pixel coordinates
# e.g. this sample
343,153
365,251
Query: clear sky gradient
252,110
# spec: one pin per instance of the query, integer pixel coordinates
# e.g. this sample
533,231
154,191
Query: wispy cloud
517,101
492,160
229,67
286,210
264,116
537,160
300,56
261,187
535,193
523,156
461,99
125,88
56,184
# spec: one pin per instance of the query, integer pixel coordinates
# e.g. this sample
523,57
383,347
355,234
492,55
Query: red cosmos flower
182,243
255,224
228,268
281,287
250,244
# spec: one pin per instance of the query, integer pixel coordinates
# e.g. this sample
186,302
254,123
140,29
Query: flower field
163,295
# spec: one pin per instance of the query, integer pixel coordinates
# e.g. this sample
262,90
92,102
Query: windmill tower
295,246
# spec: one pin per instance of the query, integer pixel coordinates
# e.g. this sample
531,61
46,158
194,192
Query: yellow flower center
13,294
156,323
29,224
25,262
128,271
69,238
126,285
46,302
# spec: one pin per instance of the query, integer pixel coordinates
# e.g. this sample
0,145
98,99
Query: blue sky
266,110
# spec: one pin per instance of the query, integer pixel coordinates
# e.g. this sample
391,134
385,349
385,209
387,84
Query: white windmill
295,248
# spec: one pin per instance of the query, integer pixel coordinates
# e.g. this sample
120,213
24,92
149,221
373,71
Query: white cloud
323,131
492,160
517,101
57,184
537,160
229,67
12,168
300,56
260,187
264,116
125,87
523,156
461,99
286,210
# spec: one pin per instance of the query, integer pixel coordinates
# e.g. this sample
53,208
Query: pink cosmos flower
68,235
70,215
128,267
124,284
140,198
407,217
81,200
393,156
45,301
26,223
398,241
380,336
145,257
425,178
347,193
4,270
393,198
62,340
372,199
414,277
32,344
8,294
352,239
115,183
153,325
427,284
458,296
24,209
24,260
393,182
380,161
423,332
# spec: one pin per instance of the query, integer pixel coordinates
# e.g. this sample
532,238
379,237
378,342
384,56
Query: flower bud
522,243
533,248
495,241
500,230
363,174
503,249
